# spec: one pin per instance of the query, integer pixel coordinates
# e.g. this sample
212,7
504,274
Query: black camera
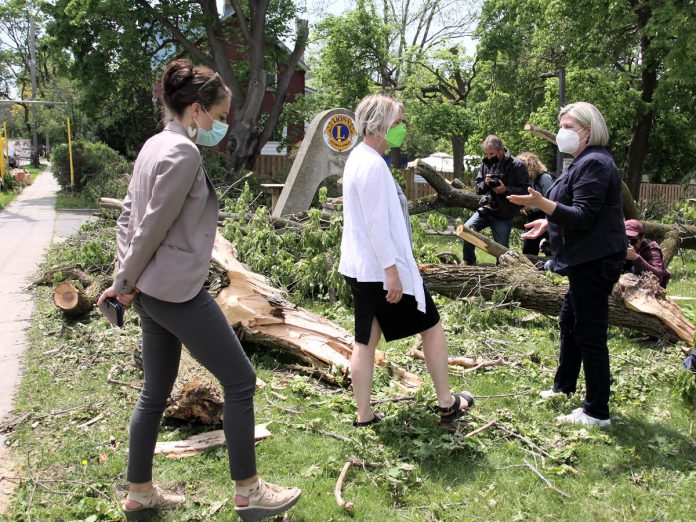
495,180
488,204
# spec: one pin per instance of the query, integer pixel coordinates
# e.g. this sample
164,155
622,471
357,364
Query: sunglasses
211,79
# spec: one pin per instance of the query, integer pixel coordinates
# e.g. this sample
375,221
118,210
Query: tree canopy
631,58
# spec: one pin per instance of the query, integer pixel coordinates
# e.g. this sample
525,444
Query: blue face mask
210,138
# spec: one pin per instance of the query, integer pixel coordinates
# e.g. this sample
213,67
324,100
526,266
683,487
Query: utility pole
561,104
560,74
32,68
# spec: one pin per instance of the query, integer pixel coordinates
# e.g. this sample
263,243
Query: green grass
641,468
68,200
6,197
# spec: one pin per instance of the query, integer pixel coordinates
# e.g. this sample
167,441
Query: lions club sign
339,133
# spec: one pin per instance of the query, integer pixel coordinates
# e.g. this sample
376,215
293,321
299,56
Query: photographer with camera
500,175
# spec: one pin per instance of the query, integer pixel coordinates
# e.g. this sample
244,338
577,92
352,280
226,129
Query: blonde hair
587,115
534,165
375,114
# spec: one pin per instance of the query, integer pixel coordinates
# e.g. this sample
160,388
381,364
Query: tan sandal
265,500
150,502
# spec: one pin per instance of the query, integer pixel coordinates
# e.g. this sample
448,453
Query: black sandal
455,411
373,420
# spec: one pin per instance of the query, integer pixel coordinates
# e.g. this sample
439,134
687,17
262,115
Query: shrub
99,170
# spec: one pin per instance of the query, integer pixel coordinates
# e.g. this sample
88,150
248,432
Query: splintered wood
644,294
177,449
262,315
265,316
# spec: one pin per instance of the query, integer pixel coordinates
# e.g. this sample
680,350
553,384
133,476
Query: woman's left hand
536,229
531,200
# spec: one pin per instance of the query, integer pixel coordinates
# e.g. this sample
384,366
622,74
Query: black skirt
399,320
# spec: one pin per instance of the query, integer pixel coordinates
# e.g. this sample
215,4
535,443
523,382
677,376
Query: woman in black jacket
588,243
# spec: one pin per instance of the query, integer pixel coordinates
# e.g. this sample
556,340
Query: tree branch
218,44
176,33
243,25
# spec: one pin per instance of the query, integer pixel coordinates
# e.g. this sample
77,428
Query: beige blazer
166,231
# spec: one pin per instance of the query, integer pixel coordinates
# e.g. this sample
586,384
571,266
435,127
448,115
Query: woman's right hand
125,299
393,283
536,228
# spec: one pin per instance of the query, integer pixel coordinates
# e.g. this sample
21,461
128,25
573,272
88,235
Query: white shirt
375,235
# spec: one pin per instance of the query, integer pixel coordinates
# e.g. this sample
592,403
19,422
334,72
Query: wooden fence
272,166
667,194
417,187
664,193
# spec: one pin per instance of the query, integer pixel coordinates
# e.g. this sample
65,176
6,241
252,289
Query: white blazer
375,236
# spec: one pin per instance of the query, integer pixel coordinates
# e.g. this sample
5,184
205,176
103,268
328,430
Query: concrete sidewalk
27,227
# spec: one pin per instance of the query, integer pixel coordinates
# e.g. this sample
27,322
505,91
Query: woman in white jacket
377,261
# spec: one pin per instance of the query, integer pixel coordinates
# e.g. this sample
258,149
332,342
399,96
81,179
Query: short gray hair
587,115
375,114
492,141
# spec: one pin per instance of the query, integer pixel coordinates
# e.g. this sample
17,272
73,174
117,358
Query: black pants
584,322
203,328
531,246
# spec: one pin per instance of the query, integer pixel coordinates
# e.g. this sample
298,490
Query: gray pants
203,328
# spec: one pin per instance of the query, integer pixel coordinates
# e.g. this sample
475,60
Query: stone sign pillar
323,153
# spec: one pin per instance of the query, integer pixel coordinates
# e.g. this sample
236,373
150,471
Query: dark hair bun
177,74
185,83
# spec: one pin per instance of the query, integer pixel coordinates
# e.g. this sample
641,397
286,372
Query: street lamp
560,74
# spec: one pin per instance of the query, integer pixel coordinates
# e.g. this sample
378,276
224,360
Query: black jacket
513,173
588,222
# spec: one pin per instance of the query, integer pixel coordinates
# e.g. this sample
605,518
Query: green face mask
395,136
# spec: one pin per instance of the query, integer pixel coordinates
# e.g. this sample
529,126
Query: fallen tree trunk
683,236
177,449
264,316
261,315
517,280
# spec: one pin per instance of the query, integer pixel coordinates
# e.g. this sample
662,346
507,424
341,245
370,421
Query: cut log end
72,301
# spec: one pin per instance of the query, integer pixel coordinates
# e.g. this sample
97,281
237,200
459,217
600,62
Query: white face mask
568,140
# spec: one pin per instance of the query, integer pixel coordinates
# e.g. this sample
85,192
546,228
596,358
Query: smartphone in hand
113,311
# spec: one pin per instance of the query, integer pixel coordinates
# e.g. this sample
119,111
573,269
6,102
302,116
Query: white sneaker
578,416
547,394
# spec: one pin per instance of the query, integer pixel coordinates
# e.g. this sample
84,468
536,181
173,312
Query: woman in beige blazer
165,242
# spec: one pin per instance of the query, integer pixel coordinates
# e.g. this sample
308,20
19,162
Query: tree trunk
262,316
638,146
458,156
519,281
538,294
670,246
242,145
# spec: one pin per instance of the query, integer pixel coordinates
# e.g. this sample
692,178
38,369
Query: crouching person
644,255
